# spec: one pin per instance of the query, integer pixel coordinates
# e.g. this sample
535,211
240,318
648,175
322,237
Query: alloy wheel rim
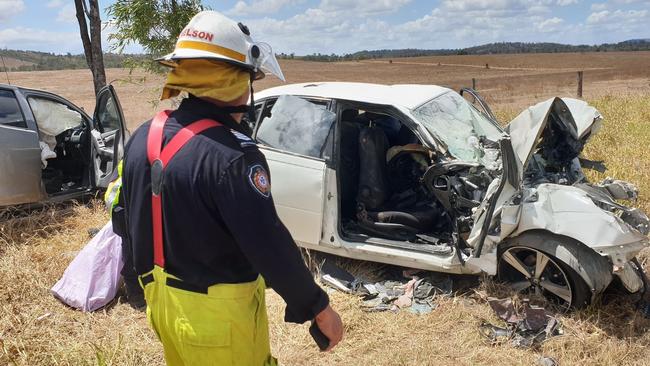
533,271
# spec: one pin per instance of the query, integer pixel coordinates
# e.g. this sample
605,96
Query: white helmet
210,35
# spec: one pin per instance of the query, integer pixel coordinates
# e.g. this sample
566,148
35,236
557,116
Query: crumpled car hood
578,119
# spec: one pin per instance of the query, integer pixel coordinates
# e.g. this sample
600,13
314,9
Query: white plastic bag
93,277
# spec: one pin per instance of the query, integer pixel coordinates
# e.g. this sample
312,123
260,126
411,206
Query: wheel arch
594,269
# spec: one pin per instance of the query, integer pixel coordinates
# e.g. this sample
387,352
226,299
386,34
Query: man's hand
329,322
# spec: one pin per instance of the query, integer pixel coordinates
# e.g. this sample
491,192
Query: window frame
329,104
88,122
24,125
98,125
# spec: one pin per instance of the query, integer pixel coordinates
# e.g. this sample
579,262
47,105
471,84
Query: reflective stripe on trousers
226,326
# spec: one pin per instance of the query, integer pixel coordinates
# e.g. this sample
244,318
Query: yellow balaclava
203,78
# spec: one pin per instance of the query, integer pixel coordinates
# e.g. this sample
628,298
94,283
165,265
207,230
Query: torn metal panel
570,211
574,118
619,189
604,194
629,276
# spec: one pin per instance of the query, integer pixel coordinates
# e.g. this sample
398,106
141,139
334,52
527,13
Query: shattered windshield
454,121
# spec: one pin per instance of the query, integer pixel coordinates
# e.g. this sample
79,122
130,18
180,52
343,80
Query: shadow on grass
20,224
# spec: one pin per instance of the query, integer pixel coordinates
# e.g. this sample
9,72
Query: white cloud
550,25
260,7
55,3
597,17
67,14
622,18
10,8
629,1
362,7
598,6
343,26
29,38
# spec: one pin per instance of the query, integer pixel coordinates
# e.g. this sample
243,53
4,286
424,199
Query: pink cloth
93,277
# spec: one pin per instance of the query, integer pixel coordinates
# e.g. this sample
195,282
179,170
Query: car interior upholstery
381,164
62,131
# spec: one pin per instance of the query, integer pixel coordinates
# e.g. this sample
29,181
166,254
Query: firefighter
206,236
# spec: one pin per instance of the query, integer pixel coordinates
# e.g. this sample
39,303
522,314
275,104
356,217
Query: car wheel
532,271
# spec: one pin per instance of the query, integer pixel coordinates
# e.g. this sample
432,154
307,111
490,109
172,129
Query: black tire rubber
580,292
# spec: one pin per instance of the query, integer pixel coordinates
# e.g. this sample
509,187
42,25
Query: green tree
153,24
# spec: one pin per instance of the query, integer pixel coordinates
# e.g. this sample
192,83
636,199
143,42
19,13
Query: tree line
38,61
486,49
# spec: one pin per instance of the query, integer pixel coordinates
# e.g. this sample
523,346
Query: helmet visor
267,61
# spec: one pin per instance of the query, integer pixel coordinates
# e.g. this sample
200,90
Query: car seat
376,211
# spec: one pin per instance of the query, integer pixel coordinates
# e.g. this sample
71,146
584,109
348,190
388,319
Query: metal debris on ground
547,361
527,327
411,289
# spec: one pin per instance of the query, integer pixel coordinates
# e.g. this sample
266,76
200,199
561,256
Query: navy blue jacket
220,224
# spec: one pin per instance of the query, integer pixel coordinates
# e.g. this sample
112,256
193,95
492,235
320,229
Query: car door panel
107,136
20,154
297,186
20,166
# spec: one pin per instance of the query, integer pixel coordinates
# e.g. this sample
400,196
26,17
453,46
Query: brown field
35,329
9,63
512,82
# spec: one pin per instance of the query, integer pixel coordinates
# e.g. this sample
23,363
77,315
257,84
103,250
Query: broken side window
109,117
297,125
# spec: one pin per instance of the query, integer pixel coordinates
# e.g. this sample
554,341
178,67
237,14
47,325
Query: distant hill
486,49
15,60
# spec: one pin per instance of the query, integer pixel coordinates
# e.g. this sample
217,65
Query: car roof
23,89
9,86
405,95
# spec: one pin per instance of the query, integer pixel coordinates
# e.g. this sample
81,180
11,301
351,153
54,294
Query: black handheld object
321,339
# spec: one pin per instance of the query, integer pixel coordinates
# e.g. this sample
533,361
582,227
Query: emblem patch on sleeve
244,140
259,179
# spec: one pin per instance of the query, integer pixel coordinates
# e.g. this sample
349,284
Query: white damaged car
417,176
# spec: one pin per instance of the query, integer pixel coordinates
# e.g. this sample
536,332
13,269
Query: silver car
51,150
417,176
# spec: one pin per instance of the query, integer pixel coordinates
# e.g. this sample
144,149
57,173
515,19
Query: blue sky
341,26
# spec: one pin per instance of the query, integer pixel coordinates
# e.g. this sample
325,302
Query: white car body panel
297,185
568,211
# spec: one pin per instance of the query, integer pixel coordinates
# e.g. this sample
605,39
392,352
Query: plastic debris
526,327
411,289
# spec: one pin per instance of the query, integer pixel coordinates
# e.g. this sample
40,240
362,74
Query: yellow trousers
226,326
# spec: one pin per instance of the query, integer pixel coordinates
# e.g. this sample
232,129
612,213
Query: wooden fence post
579,84
474,83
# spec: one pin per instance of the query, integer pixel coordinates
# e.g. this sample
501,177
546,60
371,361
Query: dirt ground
36,329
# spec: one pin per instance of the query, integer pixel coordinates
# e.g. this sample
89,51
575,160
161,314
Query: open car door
107,136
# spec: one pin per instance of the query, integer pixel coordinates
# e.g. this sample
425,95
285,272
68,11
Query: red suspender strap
158,159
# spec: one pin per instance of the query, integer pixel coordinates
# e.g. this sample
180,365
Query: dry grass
36,329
